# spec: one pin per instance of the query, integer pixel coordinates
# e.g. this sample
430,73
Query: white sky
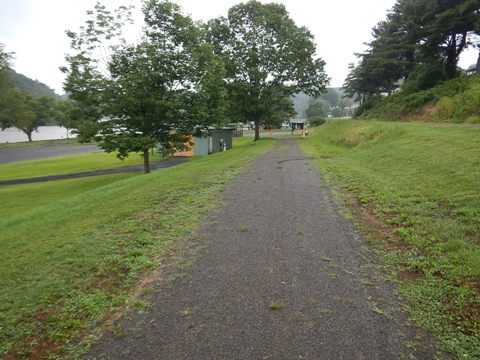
35,30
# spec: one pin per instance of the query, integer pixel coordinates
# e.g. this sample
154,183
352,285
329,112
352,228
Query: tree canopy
268,59
21,109
419,44
150,93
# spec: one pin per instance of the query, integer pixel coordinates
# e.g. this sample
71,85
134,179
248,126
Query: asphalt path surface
15,154
273,133
277,236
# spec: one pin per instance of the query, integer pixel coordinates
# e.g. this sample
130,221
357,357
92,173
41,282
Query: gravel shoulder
277,236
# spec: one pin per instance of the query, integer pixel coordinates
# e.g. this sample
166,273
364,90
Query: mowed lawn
416,191
68,164
16,199
69,262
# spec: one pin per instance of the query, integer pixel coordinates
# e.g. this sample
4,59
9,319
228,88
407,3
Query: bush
456,100
445,108
316,121
368,104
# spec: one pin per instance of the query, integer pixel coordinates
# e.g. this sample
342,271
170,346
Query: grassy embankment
415,191
68,263
20,198
67,165
455,101
40,143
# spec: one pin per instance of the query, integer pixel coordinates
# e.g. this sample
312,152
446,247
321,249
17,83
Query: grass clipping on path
66,264
414,188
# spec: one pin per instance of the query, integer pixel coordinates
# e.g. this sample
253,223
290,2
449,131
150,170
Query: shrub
445,108
456,100
316,121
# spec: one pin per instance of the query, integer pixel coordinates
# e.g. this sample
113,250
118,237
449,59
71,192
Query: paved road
39,152
279,237
274,133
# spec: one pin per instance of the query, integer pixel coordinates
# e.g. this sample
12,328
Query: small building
297,124
210,142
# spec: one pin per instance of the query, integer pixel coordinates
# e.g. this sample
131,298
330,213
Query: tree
268,58
7,91
4,66
282,112
142,95
20,109
418,44
68,114
27,113
331,96
316,108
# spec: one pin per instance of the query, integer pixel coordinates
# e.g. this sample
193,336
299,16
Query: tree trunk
146,162
29,134
478,64
257,130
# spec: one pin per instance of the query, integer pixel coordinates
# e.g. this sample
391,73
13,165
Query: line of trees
184,76
23,109
418,45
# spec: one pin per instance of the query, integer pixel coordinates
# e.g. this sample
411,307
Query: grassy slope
66,263
421,181
67,164
17,199
455,101
40,143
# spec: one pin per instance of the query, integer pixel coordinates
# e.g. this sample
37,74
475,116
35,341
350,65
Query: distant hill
333,100
34,87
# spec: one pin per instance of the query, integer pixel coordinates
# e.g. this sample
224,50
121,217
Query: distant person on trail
293,127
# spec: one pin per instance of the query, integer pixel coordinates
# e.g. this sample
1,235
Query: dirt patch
409,276
475,285
37,349
465,315
365,214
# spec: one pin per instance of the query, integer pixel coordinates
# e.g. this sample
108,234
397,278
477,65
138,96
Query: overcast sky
35,30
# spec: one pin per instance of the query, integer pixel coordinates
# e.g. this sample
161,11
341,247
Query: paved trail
279,237
15,154
161,164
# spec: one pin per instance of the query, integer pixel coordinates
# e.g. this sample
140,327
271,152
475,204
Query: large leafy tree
27,113
316,108
269,58
4,65
152,92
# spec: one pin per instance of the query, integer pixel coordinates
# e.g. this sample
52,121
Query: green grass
69,263
40,143
421,182
67,164
17,199
275,305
